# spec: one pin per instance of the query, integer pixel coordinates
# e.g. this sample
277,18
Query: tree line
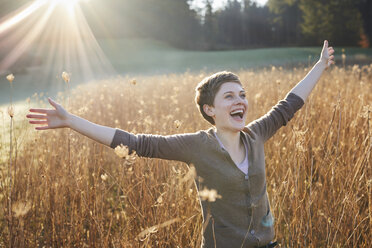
242,23
239,24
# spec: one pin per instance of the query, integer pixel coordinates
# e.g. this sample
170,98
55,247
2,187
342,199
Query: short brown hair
207,89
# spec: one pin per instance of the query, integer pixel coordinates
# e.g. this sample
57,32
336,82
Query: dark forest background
239,25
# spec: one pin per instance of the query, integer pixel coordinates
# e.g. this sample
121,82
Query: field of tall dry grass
68,191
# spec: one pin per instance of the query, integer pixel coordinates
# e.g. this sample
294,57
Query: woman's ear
209,110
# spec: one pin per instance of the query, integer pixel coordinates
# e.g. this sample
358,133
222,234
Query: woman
229,157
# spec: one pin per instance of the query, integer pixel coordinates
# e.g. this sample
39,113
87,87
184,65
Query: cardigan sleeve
278,116
171,147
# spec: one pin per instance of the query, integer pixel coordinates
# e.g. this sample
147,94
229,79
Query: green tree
286,21
210,28
230,24
256,27
171,21
177,24
337,20
365,8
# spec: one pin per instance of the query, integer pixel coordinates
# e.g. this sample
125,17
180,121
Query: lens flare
69,5
49,36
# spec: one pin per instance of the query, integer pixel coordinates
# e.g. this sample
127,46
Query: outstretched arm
280,114
60,118
305,86
173,147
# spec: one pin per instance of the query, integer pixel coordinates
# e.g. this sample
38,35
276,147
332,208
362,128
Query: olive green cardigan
242,217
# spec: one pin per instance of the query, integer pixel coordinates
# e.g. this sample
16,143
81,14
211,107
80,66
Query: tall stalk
66,78
10,183
10,78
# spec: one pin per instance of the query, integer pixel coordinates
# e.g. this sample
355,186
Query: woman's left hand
326,57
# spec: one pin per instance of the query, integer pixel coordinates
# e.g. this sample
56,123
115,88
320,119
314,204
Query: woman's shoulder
250,132
199,138
194,137
201,135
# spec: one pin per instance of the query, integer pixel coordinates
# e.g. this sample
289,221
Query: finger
43,111
42,128
38,122
37,116
331,57
53,103
325,45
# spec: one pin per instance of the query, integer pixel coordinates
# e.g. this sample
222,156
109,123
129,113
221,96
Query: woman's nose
239,100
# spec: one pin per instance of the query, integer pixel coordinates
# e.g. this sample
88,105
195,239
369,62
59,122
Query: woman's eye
228,96
242,96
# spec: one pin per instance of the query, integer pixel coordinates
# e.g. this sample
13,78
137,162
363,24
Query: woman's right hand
50,118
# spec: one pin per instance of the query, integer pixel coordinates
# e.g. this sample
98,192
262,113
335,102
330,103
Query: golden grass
318,167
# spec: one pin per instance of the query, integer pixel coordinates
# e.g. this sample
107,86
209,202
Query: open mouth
237,114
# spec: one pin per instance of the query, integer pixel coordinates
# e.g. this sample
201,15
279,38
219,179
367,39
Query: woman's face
229,109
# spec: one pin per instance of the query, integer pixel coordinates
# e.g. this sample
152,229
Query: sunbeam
26,42
50,37
20,15
68,4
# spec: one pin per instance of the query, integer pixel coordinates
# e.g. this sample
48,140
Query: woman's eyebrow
231,92
228,92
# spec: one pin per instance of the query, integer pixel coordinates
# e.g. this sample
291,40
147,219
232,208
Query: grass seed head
160,199
10,78
21,208
177,123
11,111
210,195
104,177
66,77
122,151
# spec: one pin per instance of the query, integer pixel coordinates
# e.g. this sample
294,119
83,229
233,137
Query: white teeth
239,111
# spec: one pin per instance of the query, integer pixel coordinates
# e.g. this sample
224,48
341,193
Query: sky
220,3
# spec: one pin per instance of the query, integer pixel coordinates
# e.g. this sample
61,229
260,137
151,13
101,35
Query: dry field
68,191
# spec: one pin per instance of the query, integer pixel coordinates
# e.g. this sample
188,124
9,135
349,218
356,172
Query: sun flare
68,4
65,2
58,34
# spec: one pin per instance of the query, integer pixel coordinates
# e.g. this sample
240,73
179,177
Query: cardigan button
252,231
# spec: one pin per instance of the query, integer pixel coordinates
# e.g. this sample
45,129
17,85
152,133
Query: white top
243,166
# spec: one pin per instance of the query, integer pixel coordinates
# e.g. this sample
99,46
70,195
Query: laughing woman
229,156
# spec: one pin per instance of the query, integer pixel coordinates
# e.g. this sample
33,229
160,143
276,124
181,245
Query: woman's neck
230,140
